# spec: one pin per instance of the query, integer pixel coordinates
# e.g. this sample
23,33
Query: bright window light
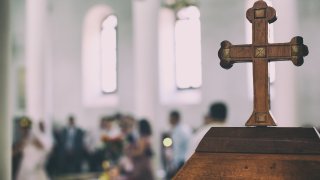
109,54
188,72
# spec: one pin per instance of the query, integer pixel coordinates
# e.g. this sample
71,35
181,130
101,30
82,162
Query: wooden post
5,126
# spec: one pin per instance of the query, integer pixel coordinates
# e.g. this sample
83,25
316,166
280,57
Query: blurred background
96,86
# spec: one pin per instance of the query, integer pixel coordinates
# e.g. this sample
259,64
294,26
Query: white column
5,123
35,43
285,28
145,15
48,69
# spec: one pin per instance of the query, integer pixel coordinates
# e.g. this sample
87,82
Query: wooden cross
260,52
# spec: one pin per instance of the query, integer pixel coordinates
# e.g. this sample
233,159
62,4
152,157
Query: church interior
81,61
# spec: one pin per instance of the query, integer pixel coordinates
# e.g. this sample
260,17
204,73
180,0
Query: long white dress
32,166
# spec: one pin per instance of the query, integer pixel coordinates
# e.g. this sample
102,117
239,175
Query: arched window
99,57
180,71
188,48
108,57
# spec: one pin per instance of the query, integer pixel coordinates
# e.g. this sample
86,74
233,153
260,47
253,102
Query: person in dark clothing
142,153
72,148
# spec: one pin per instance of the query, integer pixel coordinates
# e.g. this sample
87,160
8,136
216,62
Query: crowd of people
120,148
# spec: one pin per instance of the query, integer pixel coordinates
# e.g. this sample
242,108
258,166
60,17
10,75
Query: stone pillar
35,59
145,15
5,122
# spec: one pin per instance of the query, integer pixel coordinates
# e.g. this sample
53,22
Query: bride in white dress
36,147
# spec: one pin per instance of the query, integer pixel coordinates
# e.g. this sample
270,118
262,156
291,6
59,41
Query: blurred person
97,142
72,148
113,140
127,125
112,129
34,145
128,130
141,154
216,117
53,167
95,146
181,134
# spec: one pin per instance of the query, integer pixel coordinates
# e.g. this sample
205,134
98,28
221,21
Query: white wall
308,77
219,19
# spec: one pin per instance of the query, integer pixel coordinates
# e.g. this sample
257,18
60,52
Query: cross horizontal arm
295,50
230,54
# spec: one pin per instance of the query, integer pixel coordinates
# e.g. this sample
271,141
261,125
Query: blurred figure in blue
72,148
181,134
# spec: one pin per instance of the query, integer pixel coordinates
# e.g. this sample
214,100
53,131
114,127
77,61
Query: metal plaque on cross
260,53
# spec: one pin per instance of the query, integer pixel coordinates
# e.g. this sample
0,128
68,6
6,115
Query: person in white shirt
216,117
180,134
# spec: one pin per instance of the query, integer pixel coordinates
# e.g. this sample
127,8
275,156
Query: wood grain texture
260,52
263,140
255,153
207,166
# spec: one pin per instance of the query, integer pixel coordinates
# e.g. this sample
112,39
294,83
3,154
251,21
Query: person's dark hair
118,116
218,111
71,120
109,118
175,114
144,127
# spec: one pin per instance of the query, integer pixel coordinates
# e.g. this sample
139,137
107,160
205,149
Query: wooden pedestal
255,153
